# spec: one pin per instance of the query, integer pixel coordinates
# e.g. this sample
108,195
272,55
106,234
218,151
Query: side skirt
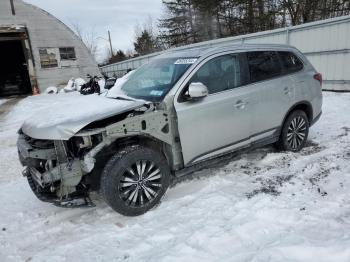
223,158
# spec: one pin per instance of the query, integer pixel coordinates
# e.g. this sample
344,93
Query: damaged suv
181,112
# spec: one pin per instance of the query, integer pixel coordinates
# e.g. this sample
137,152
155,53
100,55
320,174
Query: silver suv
179,113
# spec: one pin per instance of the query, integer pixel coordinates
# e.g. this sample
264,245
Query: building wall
45,31
325,43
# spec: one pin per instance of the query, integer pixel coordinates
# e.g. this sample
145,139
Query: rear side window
263,65
290,62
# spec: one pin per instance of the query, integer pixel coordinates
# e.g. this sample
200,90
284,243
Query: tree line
191,21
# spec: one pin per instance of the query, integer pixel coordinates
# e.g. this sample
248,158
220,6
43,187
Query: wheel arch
302,105
109,150
146,141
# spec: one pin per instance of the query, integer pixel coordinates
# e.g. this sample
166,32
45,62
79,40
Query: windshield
116,89
154,80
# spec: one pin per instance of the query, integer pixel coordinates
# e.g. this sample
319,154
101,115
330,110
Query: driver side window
221,73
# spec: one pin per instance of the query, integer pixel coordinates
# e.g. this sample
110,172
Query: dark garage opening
14,77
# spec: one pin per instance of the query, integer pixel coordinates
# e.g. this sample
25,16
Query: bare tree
191,21
88,37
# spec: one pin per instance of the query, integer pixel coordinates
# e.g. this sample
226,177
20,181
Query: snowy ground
262,206
3,101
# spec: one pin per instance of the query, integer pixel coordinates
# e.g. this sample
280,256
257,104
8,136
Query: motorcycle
91,86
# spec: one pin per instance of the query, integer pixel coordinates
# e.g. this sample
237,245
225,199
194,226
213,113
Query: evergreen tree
145,43
117,57
178,28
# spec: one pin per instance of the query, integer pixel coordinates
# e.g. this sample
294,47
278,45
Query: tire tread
109,170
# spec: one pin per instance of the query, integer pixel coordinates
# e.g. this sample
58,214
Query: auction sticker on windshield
185,61
156,93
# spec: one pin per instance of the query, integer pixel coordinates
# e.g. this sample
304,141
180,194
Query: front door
221,121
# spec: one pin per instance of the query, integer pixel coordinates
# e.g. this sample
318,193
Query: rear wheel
134,180
294,132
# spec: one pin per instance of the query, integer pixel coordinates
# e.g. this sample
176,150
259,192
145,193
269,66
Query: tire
42,194
294,132
134,180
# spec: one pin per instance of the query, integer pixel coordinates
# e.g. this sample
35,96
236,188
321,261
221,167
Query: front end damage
55,169
61,171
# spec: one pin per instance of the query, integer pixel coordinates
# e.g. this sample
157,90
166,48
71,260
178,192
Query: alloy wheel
140,184
296,132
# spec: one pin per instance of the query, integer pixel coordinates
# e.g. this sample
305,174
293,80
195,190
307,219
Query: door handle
286,90
240,104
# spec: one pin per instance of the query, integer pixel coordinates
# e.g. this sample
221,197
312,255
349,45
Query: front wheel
43,194
134,180
294,132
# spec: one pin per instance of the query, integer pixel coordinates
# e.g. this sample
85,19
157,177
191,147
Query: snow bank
261,206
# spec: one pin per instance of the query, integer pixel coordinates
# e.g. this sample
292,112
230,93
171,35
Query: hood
59,117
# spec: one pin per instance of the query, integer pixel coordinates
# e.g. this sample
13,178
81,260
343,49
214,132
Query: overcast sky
118,16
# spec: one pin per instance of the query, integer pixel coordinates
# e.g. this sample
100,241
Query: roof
207,50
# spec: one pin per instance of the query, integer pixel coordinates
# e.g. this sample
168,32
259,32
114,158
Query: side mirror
197,90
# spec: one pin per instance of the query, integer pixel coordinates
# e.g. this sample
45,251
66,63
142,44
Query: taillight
318,77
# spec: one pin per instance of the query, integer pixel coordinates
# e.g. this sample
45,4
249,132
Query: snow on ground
3,101
261,206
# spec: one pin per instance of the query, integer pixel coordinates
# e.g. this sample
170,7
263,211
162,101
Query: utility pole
108,40
12,7
110,43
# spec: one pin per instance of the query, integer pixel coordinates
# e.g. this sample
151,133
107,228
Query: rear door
293,67
221,121
275,93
